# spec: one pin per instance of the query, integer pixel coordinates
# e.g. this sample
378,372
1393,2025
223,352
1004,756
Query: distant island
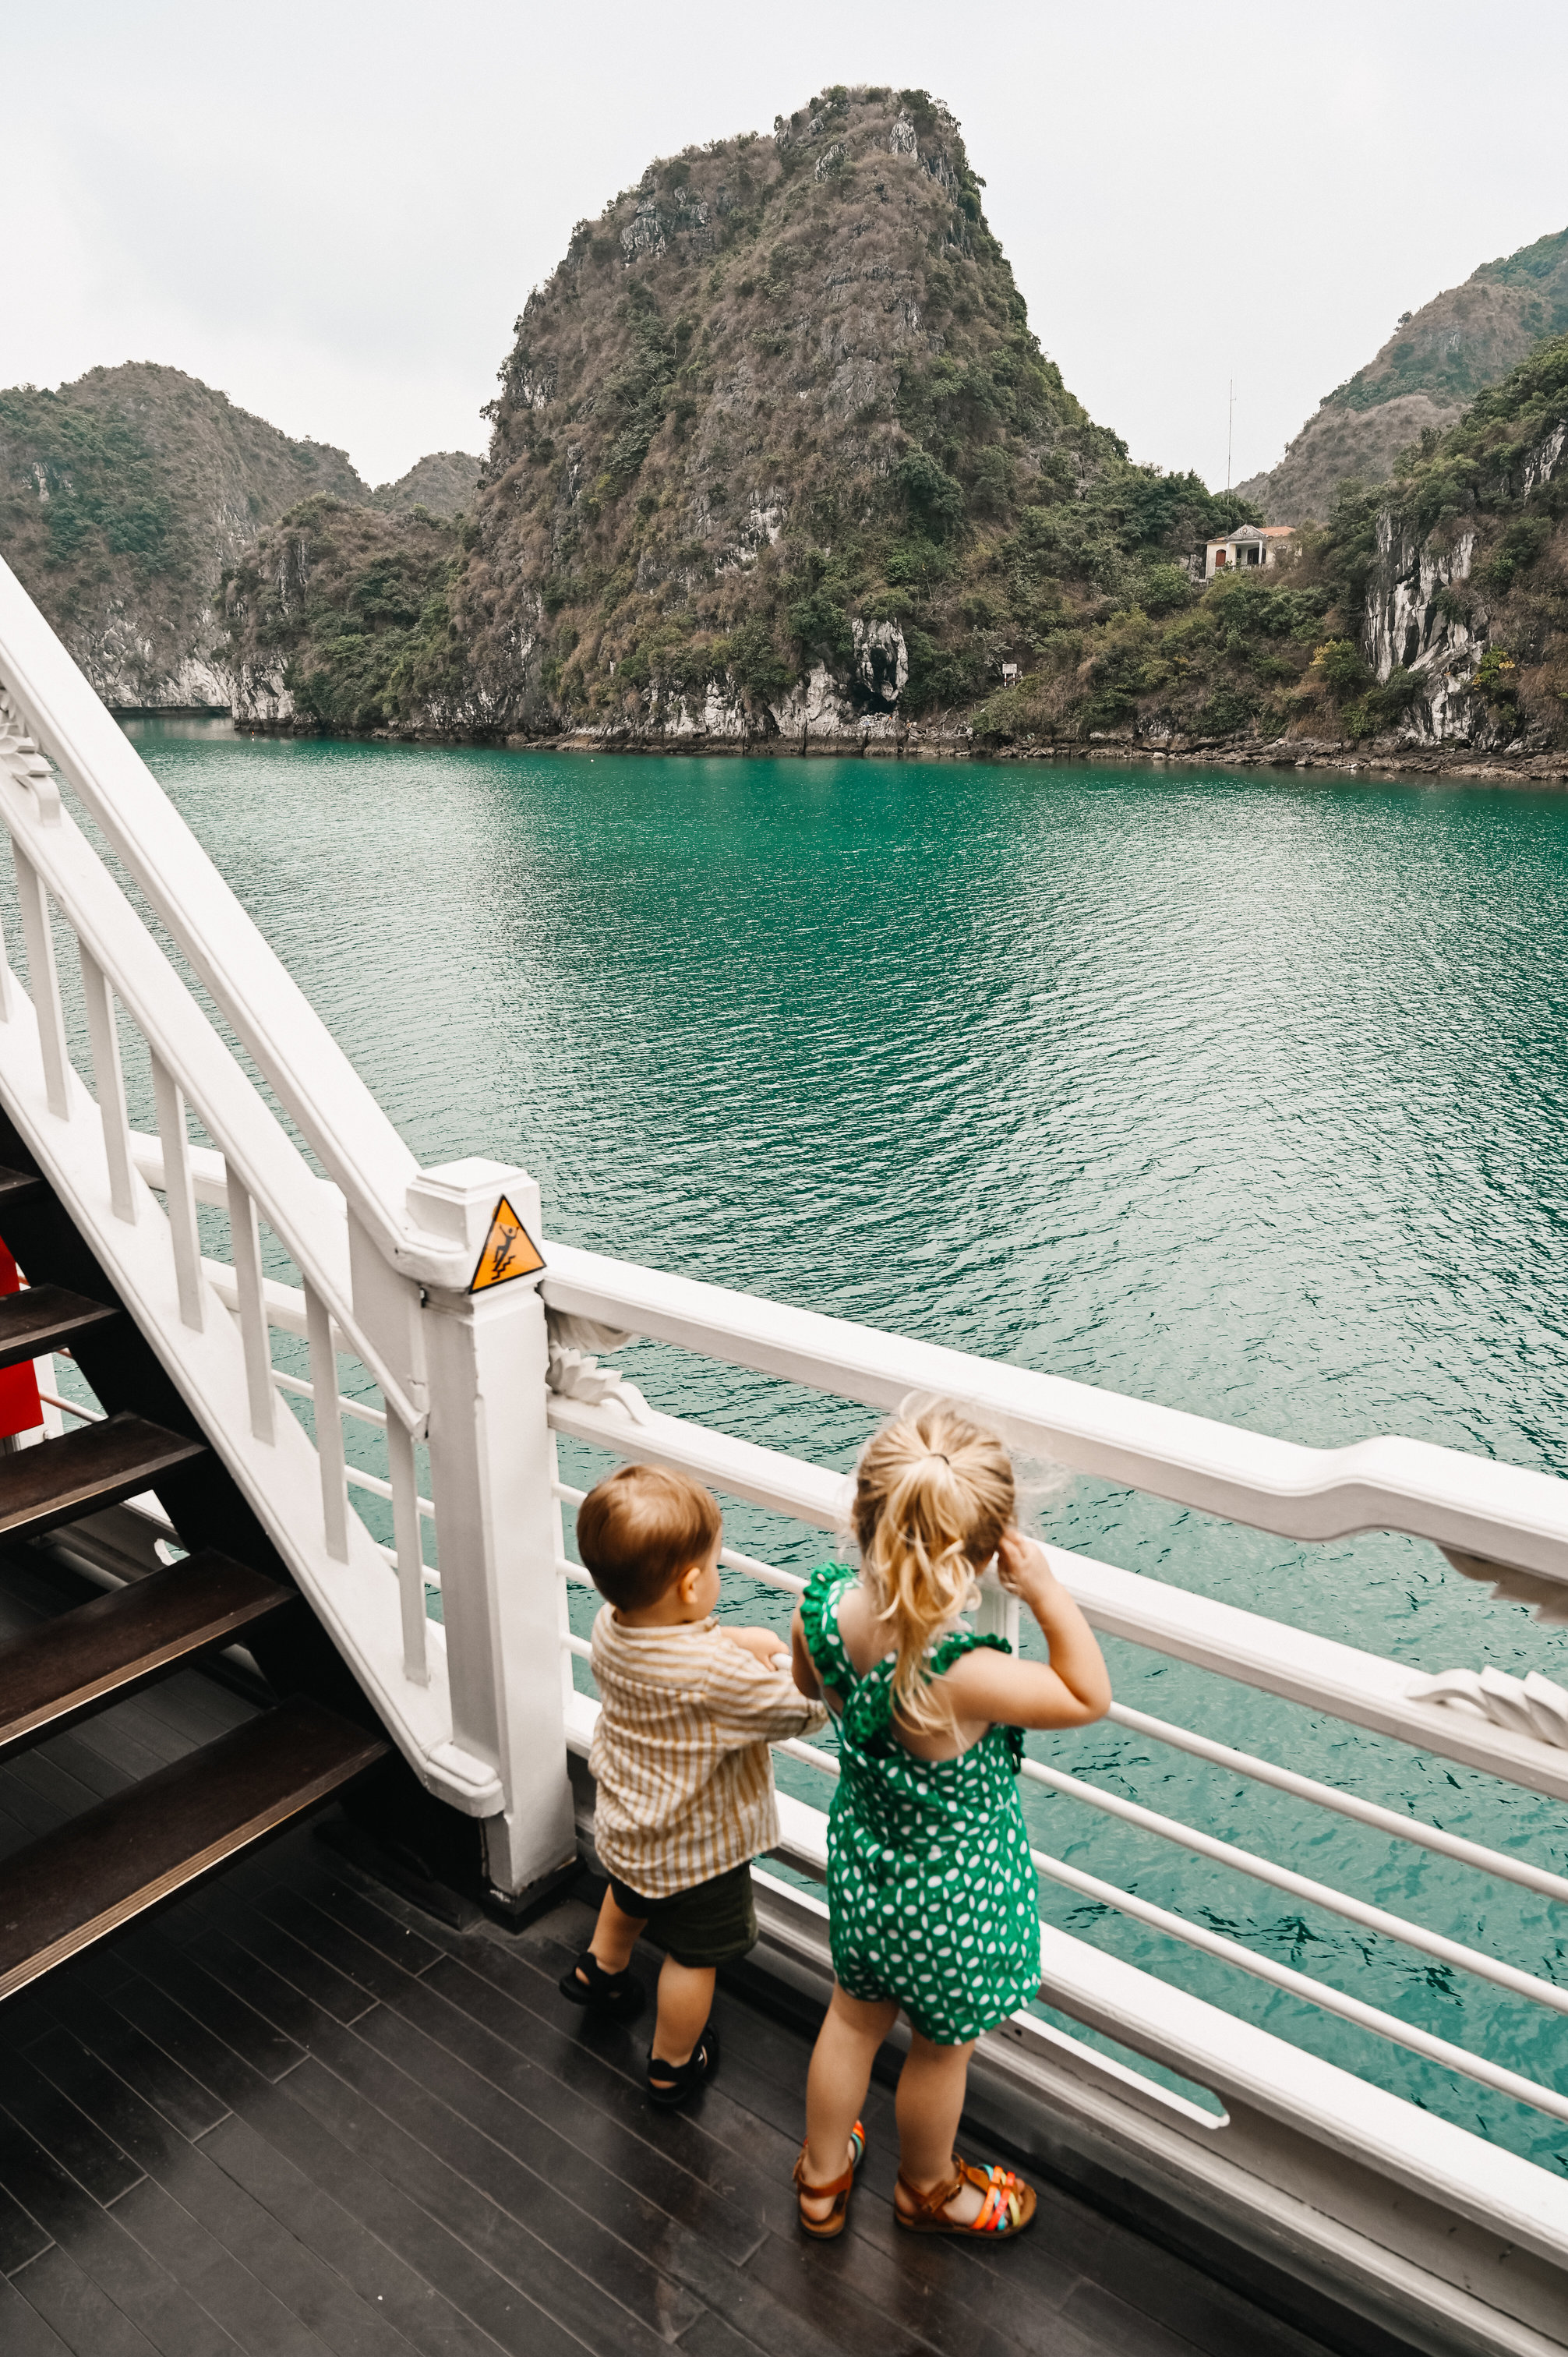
1425,378
779,464
127,495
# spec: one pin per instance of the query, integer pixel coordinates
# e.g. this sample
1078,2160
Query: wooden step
59,1672
60,1480
45,1317
154,1841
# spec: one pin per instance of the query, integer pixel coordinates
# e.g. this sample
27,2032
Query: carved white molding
1528,1706
574,1372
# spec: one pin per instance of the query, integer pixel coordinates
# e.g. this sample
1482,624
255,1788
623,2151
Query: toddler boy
685,1784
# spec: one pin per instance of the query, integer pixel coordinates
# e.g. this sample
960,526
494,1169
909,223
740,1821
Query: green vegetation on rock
1470,546
124,496
348,611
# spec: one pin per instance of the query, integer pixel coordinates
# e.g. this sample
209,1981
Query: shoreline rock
1537,768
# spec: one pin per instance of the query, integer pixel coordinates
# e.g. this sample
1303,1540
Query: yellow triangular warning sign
509,1250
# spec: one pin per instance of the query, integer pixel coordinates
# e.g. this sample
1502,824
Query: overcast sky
334,211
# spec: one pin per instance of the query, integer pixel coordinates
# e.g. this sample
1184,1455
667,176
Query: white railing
1528,1760
370,1266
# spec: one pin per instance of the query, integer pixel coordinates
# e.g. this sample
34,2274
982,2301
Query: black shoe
678,2082
620,1997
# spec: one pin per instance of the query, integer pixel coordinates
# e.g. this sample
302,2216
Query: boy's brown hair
640,1528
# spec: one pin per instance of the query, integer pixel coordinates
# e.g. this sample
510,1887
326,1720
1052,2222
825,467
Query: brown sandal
1007,2205
824,2229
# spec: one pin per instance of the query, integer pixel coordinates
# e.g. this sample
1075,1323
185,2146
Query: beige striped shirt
679,1752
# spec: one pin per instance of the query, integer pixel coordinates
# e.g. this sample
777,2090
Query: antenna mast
1230,432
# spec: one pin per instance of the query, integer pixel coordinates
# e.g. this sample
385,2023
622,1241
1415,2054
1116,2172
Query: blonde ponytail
933,1496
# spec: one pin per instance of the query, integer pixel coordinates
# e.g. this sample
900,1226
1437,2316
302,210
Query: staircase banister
268,1011
305,1212
1505,1514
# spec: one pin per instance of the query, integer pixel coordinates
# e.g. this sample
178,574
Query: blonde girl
931,1893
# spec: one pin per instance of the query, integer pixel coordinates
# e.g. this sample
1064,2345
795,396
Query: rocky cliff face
1469,606
1423,379
741,430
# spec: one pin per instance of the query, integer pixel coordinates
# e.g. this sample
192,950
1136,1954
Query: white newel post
491,1464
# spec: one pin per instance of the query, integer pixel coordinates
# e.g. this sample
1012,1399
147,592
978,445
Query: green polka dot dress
931,1893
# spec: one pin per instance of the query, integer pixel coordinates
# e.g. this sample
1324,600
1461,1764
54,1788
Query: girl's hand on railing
1024,1568
1025,1571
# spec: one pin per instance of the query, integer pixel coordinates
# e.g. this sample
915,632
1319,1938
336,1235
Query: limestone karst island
778,462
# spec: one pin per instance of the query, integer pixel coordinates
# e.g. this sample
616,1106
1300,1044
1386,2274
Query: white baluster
40,938
180,1194
563,1592
109,1084
254,1334
7,983
410,1553
328,1425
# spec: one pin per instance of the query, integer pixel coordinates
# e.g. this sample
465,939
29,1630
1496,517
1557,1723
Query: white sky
334,211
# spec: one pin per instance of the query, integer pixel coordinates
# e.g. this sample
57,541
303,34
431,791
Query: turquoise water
1241,1093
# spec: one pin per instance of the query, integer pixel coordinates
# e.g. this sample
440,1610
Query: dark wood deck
298,2115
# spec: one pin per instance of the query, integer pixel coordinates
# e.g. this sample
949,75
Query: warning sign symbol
509,1250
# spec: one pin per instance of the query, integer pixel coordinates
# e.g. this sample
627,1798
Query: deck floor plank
170,2089
633,2186
23,2331
83,2317
277,1954
307,2211
515,2321
565,2261
82,2143
21,2236
227,2294
106,2256
205,2193
177,1974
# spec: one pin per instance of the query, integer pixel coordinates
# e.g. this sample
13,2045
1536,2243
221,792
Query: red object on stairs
21,1410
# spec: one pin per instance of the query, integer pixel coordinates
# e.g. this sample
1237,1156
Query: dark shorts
712,1923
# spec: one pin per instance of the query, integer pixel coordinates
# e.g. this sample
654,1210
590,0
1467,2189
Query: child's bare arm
1071,1690
805,1669
766,1643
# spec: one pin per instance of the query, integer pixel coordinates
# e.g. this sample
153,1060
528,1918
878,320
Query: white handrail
193,1061
1347,1804
1319,1671
1301,1885
1389,2025
1506,1514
